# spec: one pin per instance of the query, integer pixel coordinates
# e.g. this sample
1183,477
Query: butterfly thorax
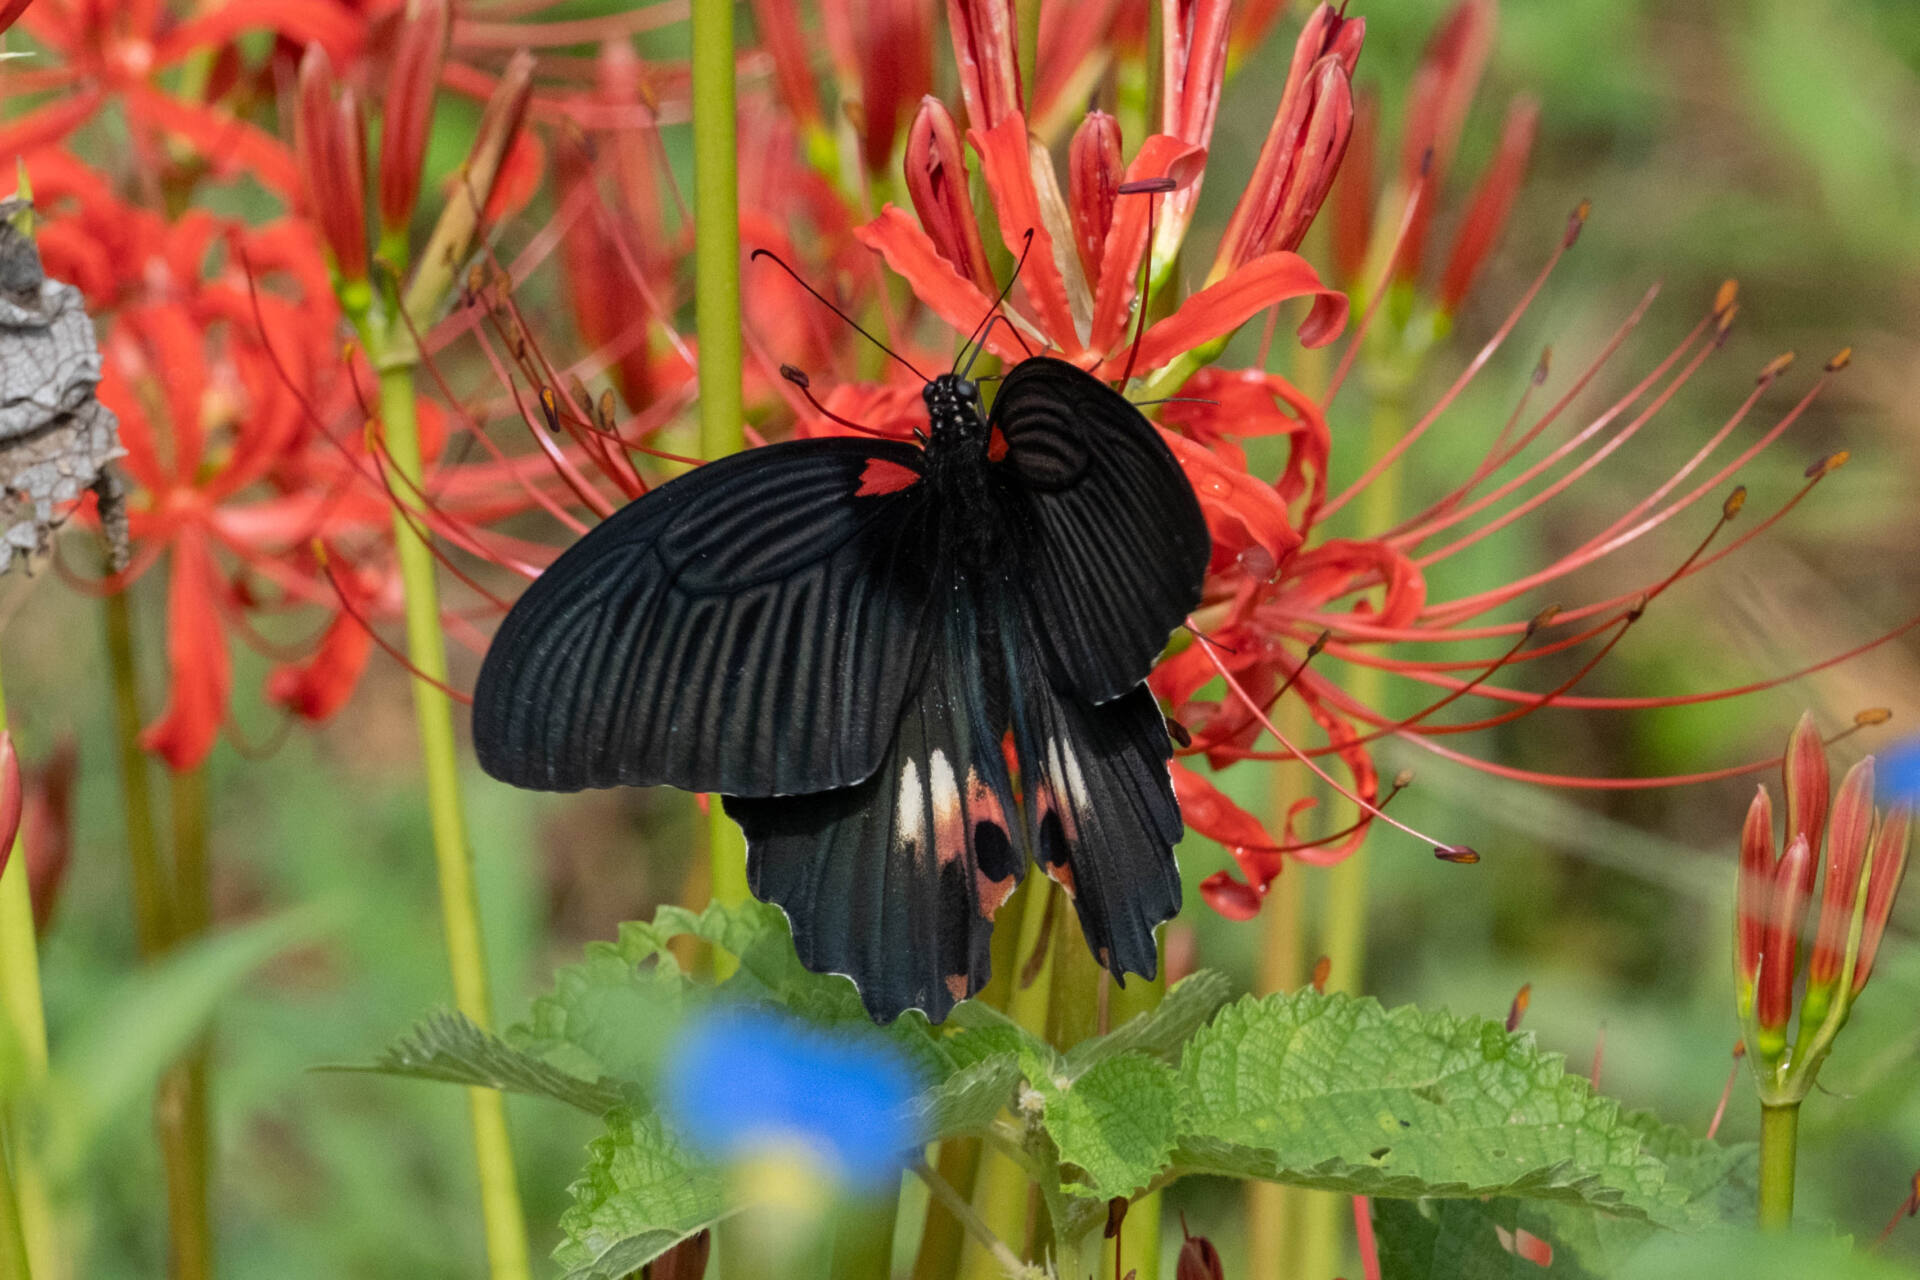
957,465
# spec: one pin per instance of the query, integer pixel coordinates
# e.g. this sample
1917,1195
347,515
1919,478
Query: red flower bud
46,823
1304,146
1756,875
1492,202
1350,202
415,77
332,166
936,171
1805,771
1847,841
1094,172
984,34
1773,1002
1199,1260
895,51
1437,103
11,797
1883,882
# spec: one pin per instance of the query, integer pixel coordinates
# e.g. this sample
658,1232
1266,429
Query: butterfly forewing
1118,544
749,628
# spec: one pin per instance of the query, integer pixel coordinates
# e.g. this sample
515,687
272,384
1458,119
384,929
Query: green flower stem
1000,1188
996,1249
14,1264
1779,1138
716,277
27,1245
1140,1239
180,1101
862,1236
147,874
460,909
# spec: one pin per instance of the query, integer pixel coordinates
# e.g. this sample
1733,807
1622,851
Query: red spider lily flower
120,54
884,63
1865,858
1084,314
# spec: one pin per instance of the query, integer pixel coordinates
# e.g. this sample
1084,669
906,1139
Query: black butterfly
839,635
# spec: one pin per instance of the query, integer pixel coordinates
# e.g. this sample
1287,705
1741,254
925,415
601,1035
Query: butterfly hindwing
895,882
750,627
1118,544
1100,810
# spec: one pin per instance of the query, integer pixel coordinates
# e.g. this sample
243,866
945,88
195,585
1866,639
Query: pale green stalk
1779,1140
29,1247
180,1102
453,856
716,277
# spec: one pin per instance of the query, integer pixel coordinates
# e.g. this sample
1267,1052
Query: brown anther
1147,187
1459,854
577,392
550,407
1739,1050
1638,607
1872,716
1841,360
1178,732
476,281
1774,368
1322,969
798,377
1402,780
1518,1009
1319,643
1543,618
1735,500
1575,221
519,345
1723,323
1545,366
605,410
1729,294
1831,462
1116,1214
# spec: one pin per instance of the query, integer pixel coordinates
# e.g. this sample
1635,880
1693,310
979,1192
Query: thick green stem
716,284
1002,1188
1140,1239
29,1248
1779,1138
147,875
180,1111
1002,1257
453,856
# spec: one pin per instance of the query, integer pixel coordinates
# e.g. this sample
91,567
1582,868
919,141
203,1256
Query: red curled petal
1219,309
199,675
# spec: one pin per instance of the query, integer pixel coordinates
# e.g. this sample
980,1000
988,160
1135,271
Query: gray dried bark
56,439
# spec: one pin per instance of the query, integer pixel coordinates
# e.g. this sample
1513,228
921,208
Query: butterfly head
953,407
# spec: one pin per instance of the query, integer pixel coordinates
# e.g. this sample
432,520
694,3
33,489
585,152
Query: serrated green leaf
1337,1093
1466,1240
968,1100
641,1193
449,1048
1115,1123
1164,1030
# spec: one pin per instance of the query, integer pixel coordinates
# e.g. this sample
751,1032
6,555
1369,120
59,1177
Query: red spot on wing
996,446
882,476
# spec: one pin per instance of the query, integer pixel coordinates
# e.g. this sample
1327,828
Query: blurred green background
1776,141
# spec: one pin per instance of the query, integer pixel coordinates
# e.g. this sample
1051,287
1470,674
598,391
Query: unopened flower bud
408,118
936,173
1804,770
1094,170
1883,883
332,164
1773,1000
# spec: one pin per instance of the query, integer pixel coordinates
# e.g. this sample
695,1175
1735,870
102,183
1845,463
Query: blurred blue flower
744,1082
1899,769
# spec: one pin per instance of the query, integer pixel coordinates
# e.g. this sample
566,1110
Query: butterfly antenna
799,379
981,349
985,326
1149,187
823,301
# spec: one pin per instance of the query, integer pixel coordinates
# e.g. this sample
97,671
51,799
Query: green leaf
449,1048
1164,1030
1336,1093
1749,1255
641,1193
111,1061
1115,1123
968,1100
1463,1240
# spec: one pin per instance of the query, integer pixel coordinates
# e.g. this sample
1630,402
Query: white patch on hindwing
949,819
911,808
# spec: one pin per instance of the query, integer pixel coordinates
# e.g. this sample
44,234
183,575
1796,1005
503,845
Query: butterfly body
845,637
